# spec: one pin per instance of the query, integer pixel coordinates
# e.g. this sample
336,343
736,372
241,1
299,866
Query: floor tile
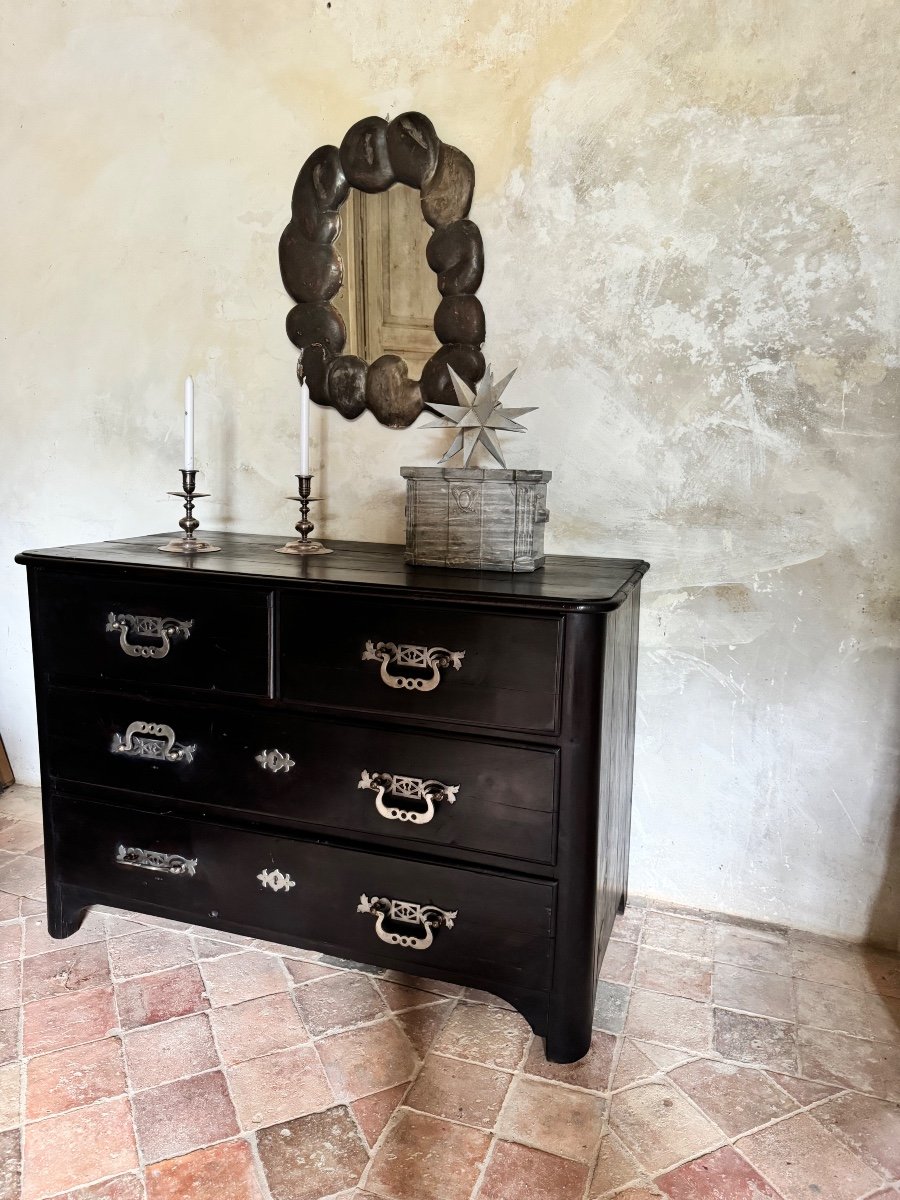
554,1118
171,1050
223,1172
400,998
665,1057
75,1076
339,1002
367,1060
882,973
422,1025
123,1187
757,950
459,1091
64,971
425,1158
10,1095
672,1020
147,952
373,1112
618,962
519,1173
839,1058
10,984
736,1098
438,986
665,931
628,925
633,1065
10,1165
78,1147
67,1020
23,876
659,1127
820,967
37,940
301,971
21,836
804,1091
10,941
722,1175
243,976
177,1117
758,1040
592,1071
759,992
9,906
257,1027
674,974
846,1010
150,998
479,1033
615,1167
279,1087
314,1156
479,996
610,1006
9,1034
802,1159
868,1127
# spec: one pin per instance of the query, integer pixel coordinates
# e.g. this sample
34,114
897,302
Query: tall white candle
304,428
189,424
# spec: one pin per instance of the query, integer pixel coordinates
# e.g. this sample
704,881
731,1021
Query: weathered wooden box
478,519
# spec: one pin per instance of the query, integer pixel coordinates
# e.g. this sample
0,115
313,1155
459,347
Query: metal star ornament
479,414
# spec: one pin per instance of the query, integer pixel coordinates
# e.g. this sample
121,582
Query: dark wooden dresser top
360,568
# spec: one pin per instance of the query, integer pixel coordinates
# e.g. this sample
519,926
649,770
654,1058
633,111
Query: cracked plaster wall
690,214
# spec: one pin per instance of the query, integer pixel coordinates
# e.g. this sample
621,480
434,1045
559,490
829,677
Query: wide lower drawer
496,671
149,634
369,906
416,787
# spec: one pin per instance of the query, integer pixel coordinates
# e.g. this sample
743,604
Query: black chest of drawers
426,770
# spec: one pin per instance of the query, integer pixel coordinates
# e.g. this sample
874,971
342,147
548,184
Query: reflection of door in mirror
389,293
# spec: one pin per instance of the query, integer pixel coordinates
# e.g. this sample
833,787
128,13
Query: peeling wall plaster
690,217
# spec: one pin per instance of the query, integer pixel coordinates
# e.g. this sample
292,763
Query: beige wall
690,214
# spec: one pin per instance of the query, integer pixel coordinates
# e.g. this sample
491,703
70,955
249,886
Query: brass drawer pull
404,787
427,658
144,739
155,860
165,629
275,761
404,912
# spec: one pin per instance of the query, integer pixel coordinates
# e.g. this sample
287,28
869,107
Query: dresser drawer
365,905
414,787
421,660
147,634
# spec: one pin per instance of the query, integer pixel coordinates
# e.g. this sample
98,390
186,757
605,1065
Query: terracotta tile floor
146,1060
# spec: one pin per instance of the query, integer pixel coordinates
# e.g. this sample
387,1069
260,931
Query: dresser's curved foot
568,1038
63,919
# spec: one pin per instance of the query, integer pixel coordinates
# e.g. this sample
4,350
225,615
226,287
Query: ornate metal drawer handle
165,629
159,743
155,860
404,787
404,912
428,658
275,761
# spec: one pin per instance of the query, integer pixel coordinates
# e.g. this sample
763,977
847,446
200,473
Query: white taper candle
304,428
189,424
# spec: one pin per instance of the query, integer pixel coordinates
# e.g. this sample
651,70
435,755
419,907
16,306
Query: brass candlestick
188,544
304,526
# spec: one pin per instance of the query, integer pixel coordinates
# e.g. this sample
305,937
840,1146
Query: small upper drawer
121,629
450,664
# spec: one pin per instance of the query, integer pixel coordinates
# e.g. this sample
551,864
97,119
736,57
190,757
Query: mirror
351,259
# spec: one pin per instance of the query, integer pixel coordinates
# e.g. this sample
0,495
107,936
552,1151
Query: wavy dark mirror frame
374,155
